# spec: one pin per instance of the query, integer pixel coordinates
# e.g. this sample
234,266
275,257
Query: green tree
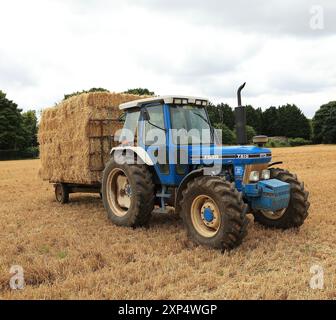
228,136
250,133
324,124
227,115
213,113
293,123
222,113
67,96
11,132
29,124
254,118
140,92
270,125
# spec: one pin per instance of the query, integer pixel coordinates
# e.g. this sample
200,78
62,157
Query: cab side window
154,135
129,133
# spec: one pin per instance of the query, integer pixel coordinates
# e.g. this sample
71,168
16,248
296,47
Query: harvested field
73,251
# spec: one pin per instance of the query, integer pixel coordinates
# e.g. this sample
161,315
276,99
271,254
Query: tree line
283,121
18,129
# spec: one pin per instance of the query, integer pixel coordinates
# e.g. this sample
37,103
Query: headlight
266,174
254,176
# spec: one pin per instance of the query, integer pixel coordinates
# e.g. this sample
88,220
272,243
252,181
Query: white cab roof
165,99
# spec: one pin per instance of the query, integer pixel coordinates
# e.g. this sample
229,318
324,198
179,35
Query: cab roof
165,99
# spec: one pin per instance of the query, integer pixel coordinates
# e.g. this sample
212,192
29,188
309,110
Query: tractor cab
176,137
170,130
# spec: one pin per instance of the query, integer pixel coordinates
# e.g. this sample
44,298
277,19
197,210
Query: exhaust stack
240,114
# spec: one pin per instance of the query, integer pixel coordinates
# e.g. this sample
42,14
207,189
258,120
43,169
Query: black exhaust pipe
240,114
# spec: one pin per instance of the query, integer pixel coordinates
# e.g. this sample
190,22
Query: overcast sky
283,49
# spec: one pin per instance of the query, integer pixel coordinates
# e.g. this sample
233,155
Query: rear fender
192,175
138,151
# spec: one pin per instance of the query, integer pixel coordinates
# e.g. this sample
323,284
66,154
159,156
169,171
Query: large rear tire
128,194
296,212
214,213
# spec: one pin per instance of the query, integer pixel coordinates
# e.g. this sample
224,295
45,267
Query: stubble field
74,252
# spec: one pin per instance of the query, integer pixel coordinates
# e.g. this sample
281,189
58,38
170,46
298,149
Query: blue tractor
211,186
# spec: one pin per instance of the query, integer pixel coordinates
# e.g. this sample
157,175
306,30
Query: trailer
63,189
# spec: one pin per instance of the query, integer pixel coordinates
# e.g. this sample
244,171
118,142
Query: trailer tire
296,212
139,188
228,226
62,193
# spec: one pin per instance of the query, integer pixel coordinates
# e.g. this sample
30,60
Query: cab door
155,140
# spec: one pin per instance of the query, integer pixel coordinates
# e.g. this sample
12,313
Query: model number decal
232,156
211,157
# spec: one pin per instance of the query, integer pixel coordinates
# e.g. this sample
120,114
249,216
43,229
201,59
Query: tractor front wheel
297,211
128,194
214,213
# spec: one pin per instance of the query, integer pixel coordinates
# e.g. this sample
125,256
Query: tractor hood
234,154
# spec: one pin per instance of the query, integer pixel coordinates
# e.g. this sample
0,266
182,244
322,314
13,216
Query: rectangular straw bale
75,136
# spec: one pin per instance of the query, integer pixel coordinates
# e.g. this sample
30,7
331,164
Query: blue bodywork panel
271,195
201,155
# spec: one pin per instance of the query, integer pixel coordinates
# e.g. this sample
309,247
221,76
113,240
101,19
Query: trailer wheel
296,212
128,194
214,213
62,193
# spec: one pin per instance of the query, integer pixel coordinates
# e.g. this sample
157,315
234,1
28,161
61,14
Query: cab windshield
190,125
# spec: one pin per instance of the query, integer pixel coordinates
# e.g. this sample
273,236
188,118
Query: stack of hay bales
75,137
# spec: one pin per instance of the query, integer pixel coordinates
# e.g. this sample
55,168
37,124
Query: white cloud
261,16
209,48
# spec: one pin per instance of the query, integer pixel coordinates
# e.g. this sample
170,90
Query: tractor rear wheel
62,193
296,212
214,213
128,194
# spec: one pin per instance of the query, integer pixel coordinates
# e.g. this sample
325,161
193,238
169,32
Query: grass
73,251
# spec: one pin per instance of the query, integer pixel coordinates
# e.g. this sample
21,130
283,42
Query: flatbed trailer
63,190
